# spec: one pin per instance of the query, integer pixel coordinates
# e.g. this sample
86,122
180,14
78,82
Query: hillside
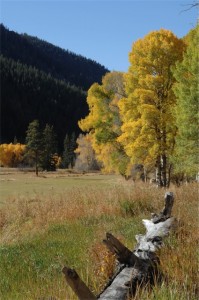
44,82
60,63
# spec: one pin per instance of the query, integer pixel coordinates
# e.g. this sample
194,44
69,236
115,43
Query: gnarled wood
77,285
146,268
166,212
138,267
123,254
118,290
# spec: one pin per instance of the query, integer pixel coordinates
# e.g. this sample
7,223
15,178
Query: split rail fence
137,268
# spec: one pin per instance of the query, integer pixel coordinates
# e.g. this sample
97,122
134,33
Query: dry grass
33,214
120,207
180,257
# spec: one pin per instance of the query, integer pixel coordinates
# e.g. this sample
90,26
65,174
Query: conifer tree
73,146
34,145
68,157
49,149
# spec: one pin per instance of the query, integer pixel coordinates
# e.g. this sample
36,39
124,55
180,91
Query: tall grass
41,234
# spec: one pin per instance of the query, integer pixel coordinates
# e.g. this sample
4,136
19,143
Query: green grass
32,269
17,184
43,231
29,265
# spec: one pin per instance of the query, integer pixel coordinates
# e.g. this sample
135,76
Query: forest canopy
148,116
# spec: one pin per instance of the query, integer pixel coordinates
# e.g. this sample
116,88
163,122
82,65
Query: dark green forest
44,82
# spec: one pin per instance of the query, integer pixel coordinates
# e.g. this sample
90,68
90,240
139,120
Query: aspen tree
148,130
187,110
104,124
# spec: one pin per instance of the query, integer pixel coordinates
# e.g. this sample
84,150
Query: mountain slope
41,81
60,63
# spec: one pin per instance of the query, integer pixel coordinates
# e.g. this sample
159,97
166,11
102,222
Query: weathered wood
146,269
118,290
169,200
77,285
138,267
123,254
152,240
166,212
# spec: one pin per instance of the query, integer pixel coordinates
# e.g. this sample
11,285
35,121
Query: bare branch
190,6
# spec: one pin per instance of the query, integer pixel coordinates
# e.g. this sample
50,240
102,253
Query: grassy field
16,184
60,219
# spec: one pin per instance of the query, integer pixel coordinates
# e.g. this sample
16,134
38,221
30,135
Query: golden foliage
104,122
148,128
11,154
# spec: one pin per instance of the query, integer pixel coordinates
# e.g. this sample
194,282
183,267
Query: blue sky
100,30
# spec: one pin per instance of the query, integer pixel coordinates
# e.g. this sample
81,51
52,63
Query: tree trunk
164,170
145,174
159,171
36,164
169,176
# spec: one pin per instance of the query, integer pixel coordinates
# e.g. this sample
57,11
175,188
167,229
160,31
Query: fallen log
139,267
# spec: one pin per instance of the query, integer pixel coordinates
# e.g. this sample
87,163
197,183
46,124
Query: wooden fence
137,268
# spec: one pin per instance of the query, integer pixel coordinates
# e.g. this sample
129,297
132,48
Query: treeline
43,82
61,64
148,117
39,150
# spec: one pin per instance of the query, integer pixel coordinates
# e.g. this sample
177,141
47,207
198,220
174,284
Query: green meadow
15,184
61,218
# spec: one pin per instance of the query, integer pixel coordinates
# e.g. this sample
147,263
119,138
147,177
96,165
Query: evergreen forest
44,82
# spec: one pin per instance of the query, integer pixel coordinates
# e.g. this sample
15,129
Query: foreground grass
40,234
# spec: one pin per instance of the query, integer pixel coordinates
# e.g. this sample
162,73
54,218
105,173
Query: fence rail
137,268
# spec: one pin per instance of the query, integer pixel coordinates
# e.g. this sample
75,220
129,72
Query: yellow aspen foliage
148,130
104,124
11,155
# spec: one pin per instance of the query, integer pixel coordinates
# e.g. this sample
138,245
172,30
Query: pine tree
34,143
65,156
73,146
49,149
68,157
